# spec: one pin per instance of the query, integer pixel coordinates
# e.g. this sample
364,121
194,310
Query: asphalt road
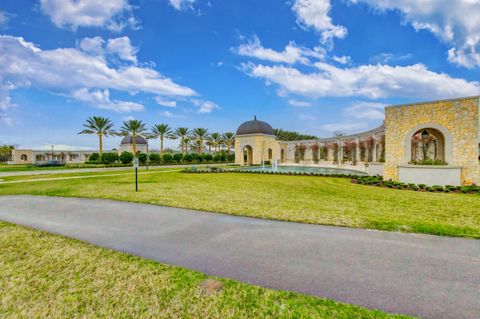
421,275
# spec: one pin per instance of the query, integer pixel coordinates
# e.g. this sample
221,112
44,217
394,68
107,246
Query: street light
425,137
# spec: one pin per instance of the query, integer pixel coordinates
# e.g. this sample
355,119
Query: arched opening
270,154
23,157
427,144
247,155
282,155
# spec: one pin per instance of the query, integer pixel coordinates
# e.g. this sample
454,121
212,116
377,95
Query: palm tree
101,126
215,139
182,134
133,128
229,140
162,131
199,135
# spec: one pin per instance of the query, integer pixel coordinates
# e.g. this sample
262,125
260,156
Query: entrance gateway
434,143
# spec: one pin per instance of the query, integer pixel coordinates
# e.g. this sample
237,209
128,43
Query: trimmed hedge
357,179
378,181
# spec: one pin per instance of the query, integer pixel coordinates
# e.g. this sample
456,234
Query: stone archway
282,155
428,141
247,155
270,154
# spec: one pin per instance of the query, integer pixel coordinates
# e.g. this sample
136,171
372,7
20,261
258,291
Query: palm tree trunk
228,149
134,144
161,145
100,139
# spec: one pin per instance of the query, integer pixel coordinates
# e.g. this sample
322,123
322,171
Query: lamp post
425,137
52,151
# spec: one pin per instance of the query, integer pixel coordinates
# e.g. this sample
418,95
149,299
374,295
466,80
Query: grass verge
306,199
49,276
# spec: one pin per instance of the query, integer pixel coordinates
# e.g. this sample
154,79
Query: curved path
427,276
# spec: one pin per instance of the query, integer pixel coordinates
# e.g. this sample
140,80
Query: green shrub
126,157
109,158
188,158
154,158
207,157
167,158
94,158
178,157
142,158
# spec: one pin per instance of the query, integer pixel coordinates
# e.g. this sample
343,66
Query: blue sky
314,66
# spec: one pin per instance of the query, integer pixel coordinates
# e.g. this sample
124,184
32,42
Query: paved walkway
427,276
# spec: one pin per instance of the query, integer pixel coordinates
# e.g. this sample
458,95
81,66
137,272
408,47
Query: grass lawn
48,276
307,199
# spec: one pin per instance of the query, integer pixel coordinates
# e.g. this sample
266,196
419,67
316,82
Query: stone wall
459,119
260,144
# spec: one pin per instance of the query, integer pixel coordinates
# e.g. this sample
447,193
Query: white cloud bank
86,76
370,81
114,15
291,54
456,22
315,14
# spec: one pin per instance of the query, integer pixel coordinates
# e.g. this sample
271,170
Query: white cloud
341,59
118,47
70,70
92,45
112,14
101,99
291,54
454,22
163,102
371,81
315,13
204,106
123,48
181,4
299,103
366,111
3,18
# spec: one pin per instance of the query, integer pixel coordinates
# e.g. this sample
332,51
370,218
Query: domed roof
255,127
129,140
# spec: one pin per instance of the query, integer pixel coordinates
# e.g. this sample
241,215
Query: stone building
70,156
434,143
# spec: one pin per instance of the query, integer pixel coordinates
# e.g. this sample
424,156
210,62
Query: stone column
357,150
340,152
374,155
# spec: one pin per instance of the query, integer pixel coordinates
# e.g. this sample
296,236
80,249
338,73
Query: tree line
196,138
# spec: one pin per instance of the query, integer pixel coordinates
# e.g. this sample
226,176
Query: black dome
129,140
255,127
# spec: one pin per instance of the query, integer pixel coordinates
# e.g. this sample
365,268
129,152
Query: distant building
69,156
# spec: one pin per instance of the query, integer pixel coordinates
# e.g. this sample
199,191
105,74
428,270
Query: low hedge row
378,181
223,170
357,179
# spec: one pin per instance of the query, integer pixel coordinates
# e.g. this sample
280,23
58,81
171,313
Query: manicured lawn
317,200
48,276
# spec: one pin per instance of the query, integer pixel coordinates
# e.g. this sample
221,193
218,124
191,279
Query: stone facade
458,120
263,148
